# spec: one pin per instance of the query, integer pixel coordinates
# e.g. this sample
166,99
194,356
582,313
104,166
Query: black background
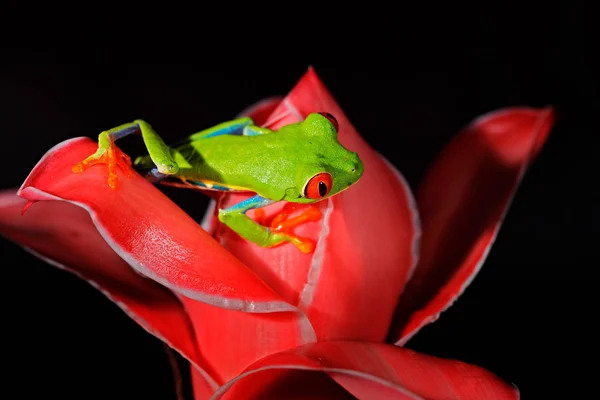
408,79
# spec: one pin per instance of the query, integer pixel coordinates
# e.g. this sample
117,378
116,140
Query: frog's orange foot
113,157
281,223
260,217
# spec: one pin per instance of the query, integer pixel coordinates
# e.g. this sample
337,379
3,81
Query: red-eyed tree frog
298,163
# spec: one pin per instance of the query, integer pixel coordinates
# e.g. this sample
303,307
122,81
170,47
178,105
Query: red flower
258,321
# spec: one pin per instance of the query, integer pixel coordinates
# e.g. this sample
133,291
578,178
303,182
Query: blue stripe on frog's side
198,183
220,187
156,177
213,186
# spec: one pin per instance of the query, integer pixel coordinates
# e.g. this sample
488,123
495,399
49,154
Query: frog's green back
275,165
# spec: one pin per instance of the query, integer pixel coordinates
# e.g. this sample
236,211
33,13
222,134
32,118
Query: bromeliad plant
262,322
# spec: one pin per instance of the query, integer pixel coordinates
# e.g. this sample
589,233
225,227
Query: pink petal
462,201
65,236
367,238
150,232
372,371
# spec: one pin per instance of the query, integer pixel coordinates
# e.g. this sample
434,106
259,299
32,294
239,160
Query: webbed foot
281,224
108,153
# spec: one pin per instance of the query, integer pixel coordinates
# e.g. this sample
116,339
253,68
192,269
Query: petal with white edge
149,231
373,371
64,236
463,200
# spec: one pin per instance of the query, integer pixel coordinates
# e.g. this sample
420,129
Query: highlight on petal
463,200
64,236
369,371
150,232
366,241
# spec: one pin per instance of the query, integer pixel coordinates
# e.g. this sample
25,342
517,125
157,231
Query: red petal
366,245
462,201
283,384
230,340
201,388
352,267
373,371
150,232
65,236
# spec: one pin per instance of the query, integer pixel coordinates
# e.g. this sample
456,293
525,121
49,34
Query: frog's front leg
235,218
108,153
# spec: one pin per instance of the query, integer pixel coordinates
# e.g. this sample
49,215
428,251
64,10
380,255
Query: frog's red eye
318,186
331,119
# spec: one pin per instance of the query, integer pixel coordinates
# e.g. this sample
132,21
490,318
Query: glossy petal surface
462,201
149,231
372,371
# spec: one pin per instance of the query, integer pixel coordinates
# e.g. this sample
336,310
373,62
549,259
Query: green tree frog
298,163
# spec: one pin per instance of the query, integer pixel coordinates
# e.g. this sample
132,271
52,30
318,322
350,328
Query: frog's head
329,167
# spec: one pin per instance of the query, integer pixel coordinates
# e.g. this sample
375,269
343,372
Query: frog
298,163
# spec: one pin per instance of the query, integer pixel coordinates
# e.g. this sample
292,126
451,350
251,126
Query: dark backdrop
407,80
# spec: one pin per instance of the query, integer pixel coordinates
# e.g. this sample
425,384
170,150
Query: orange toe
113,157
309,214
88,162
286,226
304,244
285,212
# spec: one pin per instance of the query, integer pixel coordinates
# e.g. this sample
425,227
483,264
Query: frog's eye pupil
318,186
322,188
331,119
